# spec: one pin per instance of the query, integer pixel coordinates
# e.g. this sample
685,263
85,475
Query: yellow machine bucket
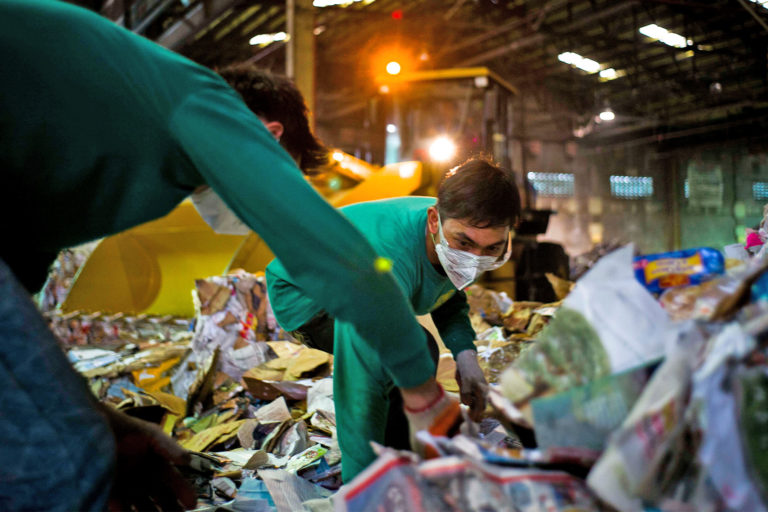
148,268
152,268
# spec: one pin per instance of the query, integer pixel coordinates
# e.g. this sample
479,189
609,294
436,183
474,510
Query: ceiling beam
192,22
536,39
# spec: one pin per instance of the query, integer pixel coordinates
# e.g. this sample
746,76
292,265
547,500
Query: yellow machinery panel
393,180
152,268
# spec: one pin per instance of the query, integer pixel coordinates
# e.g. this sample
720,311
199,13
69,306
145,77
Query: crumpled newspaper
695,438
233,314
396,482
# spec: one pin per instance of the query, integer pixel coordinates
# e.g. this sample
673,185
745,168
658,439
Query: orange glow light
393,67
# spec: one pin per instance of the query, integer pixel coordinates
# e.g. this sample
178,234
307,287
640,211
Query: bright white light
442,149
654,31
589,65
665,36
407,170
569,57
761,3
265,39
338,156
607,115
343,3
391,128
393,68
576,60
611,74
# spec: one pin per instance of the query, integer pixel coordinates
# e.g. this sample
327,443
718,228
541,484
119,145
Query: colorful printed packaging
658,272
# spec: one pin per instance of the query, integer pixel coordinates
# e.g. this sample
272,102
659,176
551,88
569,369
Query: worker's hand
145,474
429,408
472,383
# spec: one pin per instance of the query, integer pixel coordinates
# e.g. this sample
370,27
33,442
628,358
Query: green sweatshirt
101,130
397,229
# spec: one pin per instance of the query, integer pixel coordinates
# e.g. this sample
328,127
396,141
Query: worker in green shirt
436,249
101,130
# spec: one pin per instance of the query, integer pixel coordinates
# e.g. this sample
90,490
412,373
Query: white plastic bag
608,324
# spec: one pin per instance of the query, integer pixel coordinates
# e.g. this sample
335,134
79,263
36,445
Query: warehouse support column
300,56
674,191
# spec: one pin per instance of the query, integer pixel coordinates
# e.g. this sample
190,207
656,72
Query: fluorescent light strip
265,39
609,74
343,3
665,36
576,60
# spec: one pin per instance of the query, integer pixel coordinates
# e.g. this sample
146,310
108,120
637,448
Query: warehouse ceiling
714,85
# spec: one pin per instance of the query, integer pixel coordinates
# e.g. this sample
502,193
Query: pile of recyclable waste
644,388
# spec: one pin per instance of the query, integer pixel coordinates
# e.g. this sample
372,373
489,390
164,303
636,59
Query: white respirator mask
463,268
217,214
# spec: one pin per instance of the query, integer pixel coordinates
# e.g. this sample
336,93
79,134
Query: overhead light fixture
265,39
342,3
609,74
393,67
607,115
665,36
577,61
442,149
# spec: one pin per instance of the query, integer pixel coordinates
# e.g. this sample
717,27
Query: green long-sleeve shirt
397,229
101,130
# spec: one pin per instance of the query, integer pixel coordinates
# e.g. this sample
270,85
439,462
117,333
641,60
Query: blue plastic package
657,272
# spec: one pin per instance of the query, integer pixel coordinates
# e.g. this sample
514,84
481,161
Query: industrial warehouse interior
384,255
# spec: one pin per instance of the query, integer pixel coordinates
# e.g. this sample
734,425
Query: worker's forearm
421,396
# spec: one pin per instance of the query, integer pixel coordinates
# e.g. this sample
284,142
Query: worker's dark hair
481,192
276,98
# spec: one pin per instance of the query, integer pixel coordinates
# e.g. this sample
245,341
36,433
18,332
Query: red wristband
429,405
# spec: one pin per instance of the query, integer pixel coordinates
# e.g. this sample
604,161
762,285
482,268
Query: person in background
280,107
756,237
102,130
436,249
